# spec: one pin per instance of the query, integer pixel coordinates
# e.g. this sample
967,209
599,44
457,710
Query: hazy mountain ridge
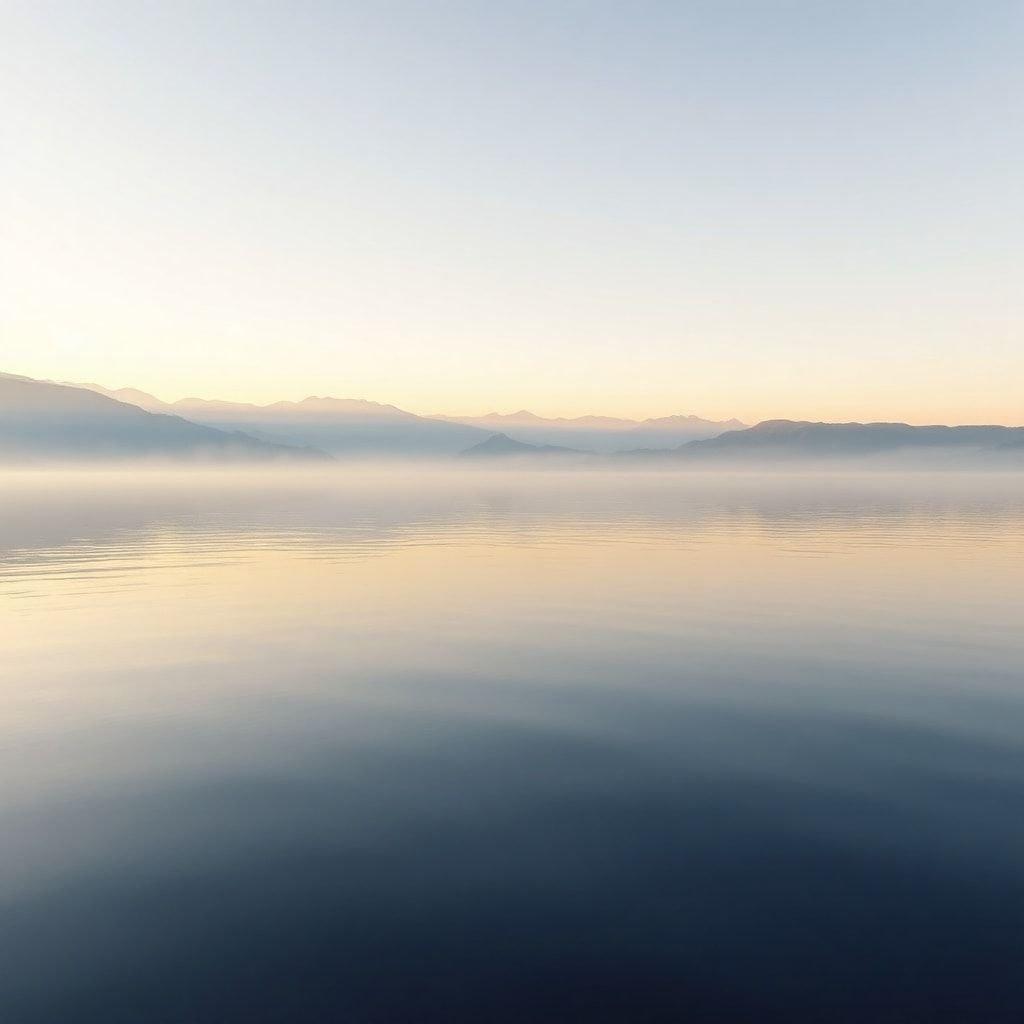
314,405
54,422
604,434
525,418
501,446
44,421
781,443
341,426
350,426
775,441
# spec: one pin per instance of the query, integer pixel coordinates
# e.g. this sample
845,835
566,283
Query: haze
740,210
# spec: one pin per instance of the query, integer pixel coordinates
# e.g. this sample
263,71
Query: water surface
395,746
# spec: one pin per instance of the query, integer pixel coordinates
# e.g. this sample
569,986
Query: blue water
407,746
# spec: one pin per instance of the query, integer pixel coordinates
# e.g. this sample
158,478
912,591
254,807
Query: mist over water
398,744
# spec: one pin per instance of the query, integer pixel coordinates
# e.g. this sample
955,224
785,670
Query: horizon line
741,422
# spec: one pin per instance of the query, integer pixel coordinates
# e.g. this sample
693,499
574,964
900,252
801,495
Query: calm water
491,747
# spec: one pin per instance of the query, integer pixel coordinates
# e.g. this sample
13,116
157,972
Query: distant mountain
40,420
672,423
529,420
357,427
346,426
670,431
341,426
599,433
501,445
130,395
787,441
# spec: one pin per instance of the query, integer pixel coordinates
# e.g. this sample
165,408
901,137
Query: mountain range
598,433
503,446
346,426
782,442
42,420
341,426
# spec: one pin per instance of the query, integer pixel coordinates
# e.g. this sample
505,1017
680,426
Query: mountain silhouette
341,426
790,440
599,433
358,427
40,420
501,445
348,426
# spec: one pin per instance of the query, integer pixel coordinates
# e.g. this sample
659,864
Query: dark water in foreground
496,747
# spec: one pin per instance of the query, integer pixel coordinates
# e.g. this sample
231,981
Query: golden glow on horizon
936,401
747,233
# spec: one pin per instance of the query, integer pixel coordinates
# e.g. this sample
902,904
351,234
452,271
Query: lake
388,744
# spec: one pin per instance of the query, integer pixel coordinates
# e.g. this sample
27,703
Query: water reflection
483,746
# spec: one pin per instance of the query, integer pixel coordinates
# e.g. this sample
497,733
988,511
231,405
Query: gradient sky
753,209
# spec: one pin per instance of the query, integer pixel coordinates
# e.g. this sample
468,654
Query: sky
757,208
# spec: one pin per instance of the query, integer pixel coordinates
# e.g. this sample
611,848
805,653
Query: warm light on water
376,744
